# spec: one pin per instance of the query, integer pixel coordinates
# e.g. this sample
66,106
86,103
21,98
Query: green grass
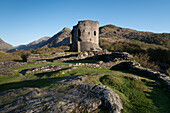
14,78
73,53
137,96
81,61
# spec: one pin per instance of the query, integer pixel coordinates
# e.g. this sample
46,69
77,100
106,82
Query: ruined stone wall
11,64
38,56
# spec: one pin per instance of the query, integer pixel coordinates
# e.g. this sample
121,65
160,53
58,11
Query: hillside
62,38
116,34
4,46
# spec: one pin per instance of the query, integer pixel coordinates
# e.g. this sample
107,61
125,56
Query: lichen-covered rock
89,104
132,77
64,106
109,98
73,98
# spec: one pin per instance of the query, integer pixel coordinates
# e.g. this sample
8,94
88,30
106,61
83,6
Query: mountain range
109,32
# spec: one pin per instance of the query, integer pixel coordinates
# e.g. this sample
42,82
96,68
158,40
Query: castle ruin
85,36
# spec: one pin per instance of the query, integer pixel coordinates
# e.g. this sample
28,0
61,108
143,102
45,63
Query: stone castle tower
85,36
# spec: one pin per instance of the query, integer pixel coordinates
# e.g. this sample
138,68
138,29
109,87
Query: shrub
9,57
168,71
144,60
23,54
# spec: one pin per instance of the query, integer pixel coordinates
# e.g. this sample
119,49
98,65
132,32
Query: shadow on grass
140,99
29,83
81,61
140,75
160,96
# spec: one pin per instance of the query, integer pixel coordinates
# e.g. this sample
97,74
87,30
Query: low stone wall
10,64
6,71
158,75
38,56
46,69
103,55
5,66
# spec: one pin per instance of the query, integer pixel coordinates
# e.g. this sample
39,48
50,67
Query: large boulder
73,97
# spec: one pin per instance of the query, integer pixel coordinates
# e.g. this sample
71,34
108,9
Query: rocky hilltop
62,38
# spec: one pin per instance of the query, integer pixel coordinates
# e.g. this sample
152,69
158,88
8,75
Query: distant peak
111,25
66,29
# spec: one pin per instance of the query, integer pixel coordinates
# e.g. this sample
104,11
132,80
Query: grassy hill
117,34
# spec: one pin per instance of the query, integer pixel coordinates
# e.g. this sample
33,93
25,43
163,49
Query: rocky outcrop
136,78
77,98
109,98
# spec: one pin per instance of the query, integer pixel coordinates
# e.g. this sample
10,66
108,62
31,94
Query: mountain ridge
62,38
111,33
115,34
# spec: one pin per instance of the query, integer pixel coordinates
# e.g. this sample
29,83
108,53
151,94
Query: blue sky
23,21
